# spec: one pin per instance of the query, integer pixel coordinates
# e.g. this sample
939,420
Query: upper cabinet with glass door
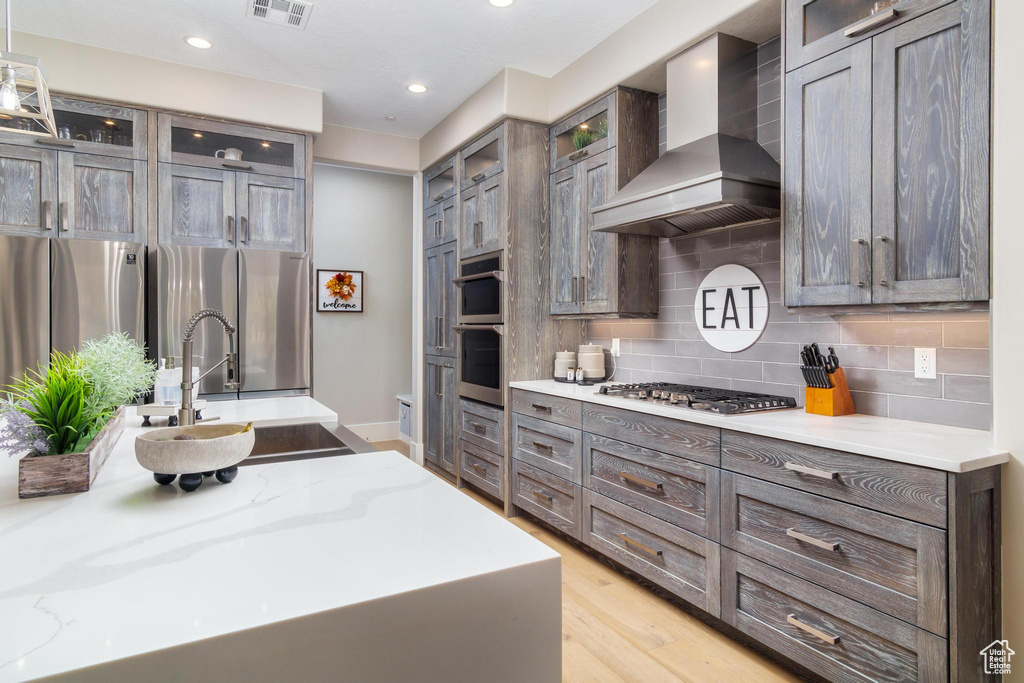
484,158
439,182
89,127
588,132
816,28
231,146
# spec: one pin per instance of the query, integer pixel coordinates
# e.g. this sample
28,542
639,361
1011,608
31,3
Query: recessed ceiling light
389,117
265,144
417,87
201,43
197,134
502,3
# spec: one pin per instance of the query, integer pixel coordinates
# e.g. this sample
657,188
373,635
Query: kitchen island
361,567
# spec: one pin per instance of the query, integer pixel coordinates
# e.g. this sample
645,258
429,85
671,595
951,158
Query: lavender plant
19,435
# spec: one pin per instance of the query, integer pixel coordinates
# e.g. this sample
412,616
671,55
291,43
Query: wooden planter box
51,475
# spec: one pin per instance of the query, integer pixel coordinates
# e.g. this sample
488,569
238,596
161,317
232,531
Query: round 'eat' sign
731,308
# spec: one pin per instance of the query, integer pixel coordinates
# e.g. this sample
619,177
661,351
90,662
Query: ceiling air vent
294,13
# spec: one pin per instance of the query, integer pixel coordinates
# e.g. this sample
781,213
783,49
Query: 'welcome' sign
731,308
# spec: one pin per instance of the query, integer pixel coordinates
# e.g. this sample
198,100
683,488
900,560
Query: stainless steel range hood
714,173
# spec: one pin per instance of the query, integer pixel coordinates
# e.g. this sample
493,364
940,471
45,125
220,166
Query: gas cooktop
722,401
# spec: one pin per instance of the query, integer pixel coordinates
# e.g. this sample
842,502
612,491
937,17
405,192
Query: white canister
565,361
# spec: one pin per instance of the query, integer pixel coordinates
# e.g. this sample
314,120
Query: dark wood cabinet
440,412
441,300
102,197
887,163
28,193
828,180
594,153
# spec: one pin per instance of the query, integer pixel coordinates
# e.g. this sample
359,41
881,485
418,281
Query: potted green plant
65,418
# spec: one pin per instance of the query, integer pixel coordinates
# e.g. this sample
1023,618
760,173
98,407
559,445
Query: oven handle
500,329
496,274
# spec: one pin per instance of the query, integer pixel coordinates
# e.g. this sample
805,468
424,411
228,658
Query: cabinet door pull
482,471
646,483
583,290
575,281
885,267
231,228
861,266
538,406
65,221
579,154
542,446
236,166
437,228
243,229
646,549
804,538
55,142
872,22
437,381
47,214
804,469
440,331
438,197
831,640
477,427
543,496
479,176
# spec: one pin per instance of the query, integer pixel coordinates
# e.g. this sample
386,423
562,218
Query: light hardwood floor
614,629
400,446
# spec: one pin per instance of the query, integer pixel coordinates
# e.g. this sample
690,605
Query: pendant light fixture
23,94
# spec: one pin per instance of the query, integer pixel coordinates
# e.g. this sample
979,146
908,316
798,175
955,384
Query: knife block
831,402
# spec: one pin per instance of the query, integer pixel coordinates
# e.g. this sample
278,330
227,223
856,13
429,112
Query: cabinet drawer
904,490
891,564
551,447
482,468
677,560
563,411
551,498
668,487
482,425
833,636
675,437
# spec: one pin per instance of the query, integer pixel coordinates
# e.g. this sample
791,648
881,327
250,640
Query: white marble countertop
953,449
131,567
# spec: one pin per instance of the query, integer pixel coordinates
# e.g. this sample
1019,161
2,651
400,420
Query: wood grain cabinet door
432,226
931,155
441,395
565,241
196,206
102,198
599,262
469,218
271,212
828,180
28,191
483,217
441,300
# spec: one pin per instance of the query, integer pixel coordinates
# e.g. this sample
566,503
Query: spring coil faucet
186,414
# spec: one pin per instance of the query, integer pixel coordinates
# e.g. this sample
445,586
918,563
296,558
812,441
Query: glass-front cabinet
588,132
439,182
89,127
483,159
816,28
232,146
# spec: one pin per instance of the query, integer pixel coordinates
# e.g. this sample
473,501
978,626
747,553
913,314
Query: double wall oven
480,330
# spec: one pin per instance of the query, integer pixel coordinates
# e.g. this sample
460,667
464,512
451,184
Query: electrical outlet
924,363
615,348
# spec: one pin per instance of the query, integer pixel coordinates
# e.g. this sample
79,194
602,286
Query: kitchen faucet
186,415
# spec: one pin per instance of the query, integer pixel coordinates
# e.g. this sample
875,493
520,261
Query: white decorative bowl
215,447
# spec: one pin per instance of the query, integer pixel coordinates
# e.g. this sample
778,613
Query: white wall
1007,322
367,149
362,220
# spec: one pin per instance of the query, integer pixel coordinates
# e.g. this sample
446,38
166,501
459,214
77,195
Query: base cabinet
440,413
852,567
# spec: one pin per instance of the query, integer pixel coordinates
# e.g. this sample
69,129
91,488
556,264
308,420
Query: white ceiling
361,53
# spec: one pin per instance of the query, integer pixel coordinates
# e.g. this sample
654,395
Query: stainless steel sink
303,442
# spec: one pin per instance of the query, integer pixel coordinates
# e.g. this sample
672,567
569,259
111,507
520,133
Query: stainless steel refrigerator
266,295
56,293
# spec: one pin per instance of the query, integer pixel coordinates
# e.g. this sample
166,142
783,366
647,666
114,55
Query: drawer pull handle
803,469
477,427
542,446
538,406
831,640
479,176
544,496
653,485
579,154
646,549
481,470
871,22
804,538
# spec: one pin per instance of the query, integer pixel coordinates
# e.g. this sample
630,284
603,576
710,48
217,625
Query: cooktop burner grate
723,401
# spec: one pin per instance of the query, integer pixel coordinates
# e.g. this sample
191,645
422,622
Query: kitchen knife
833,359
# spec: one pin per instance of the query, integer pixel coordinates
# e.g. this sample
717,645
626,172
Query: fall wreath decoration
341,286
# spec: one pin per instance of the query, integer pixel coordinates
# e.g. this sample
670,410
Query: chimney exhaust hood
714,173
